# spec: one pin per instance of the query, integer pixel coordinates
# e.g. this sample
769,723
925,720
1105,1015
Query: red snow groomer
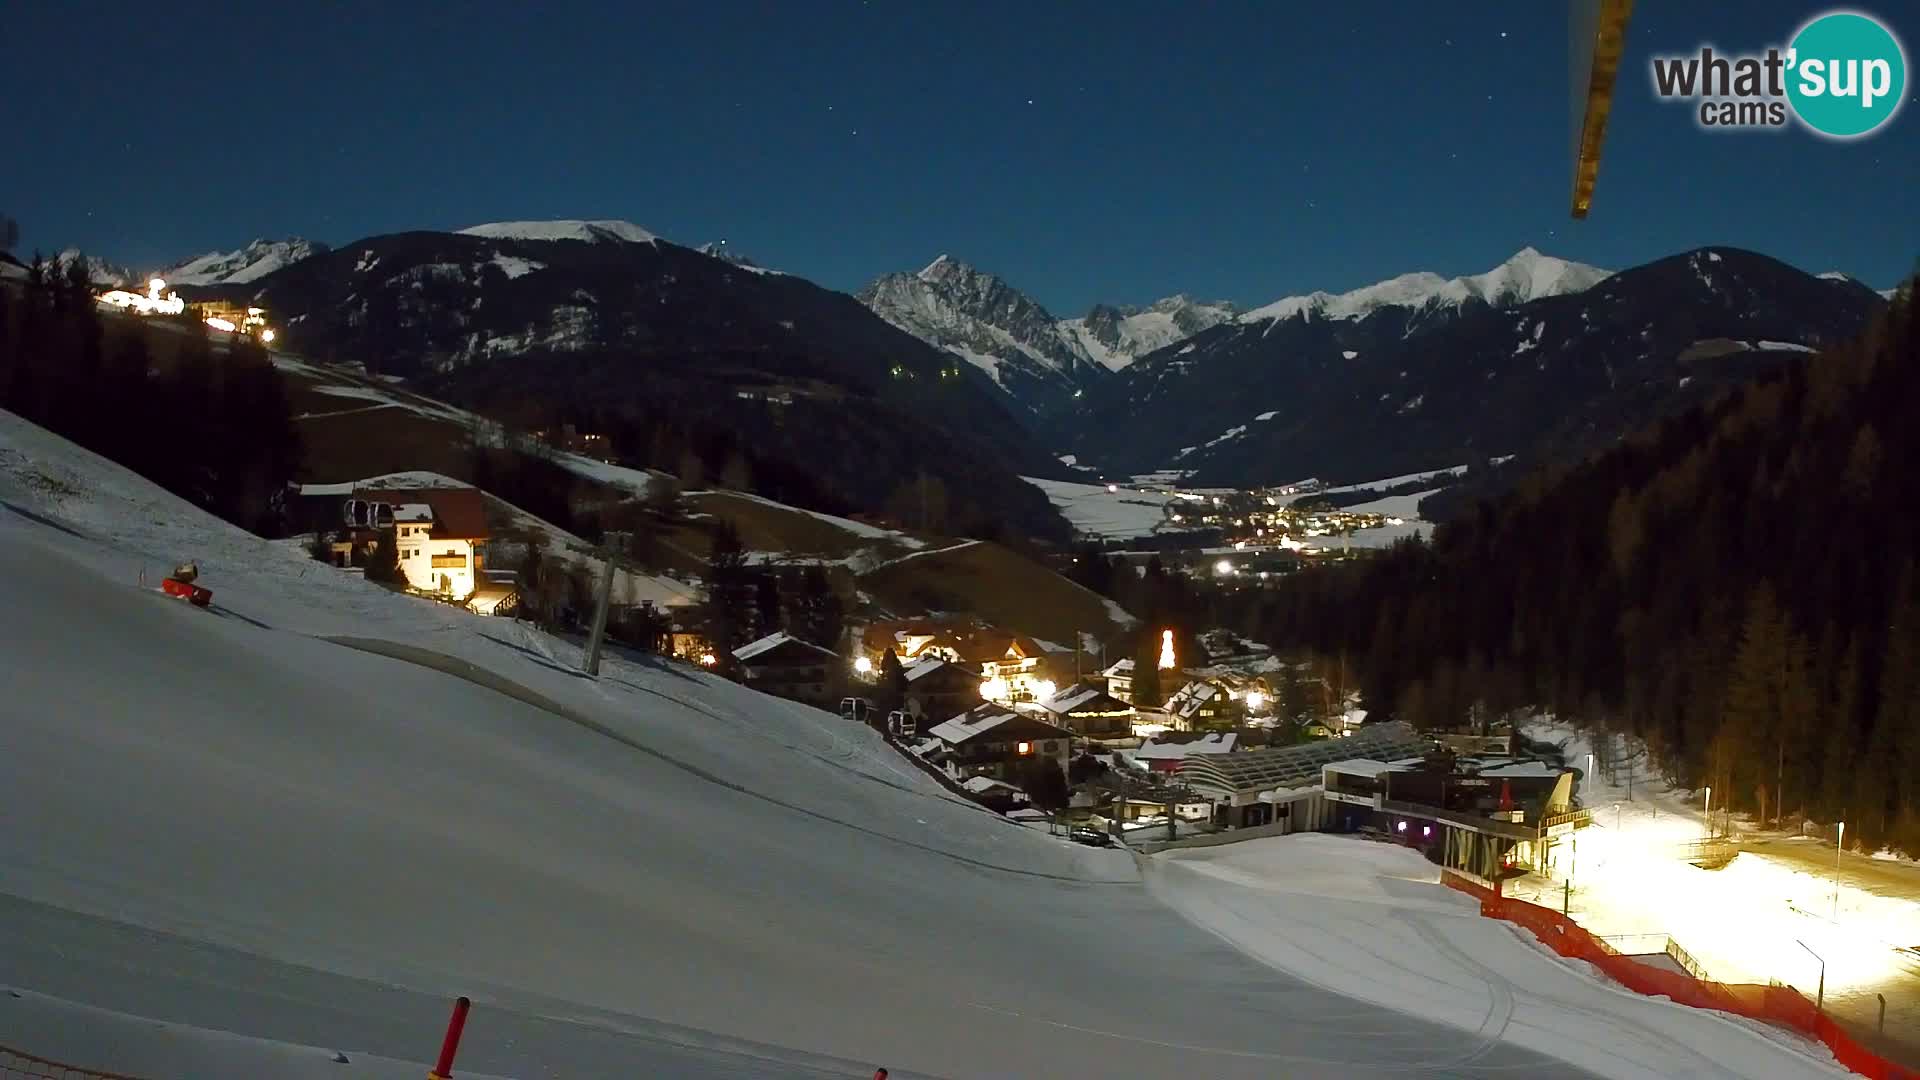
180,584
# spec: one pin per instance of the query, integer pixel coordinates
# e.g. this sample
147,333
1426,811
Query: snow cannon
181,584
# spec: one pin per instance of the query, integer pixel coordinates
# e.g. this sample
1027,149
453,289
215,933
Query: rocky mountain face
1537,357
992,326
1116,336
250,263
527,319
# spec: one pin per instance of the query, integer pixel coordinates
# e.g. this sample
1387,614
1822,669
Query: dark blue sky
1098,151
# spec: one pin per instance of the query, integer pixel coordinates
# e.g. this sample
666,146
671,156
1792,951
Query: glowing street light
863,666
1223,567
1255,699
1839,842
709,659
1708,810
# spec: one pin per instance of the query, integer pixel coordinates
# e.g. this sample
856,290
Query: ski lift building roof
1296,766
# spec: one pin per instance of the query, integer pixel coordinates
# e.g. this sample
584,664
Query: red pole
444,1069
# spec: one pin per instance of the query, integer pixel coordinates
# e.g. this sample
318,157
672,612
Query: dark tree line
211,425
743,603
1736,585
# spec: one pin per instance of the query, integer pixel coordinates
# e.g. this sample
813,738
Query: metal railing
20,1065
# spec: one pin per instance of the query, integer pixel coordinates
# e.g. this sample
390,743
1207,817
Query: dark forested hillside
1738,585
820,402
206,420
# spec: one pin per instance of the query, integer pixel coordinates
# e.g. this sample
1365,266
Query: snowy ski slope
222,821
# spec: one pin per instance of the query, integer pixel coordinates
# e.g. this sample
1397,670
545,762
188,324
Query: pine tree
819,617
766,605
1893,750
1044,783
384,565
1147,693
728,607
891,687
736,476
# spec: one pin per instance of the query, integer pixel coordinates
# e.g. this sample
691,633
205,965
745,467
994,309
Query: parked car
1092,837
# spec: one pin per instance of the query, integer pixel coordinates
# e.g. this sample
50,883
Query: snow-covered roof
1288,766
413,512
924,667
993,718
986,785
1219,742
771,642
1121,669
1191,697
1079,696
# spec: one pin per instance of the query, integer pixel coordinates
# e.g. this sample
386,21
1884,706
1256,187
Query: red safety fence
1771,1004
19,1065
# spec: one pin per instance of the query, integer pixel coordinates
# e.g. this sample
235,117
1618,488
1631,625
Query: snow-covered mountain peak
994,326
99,270
1117,335
1527,275
250,263
593,232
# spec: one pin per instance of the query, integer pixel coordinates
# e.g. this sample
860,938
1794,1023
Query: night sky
1086,152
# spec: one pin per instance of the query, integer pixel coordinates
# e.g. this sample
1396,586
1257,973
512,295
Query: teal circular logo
1847,74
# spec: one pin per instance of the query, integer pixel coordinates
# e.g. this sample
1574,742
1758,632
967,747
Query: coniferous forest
207,421
1738,586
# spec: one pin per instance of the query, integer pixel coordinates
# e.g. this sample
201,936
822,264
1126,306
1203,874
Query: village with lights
215,315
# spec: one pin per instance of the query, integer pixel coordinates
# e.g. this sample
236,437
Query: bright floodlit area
1785,908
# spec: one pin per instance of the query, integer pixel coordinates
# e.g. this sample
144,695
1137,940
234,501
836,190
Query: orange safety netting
1771,1004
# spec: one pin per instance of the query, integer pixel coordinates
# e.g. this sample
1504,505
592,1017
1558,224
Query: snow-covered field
224,822
1766,916
1109,515
1400,506
1371,921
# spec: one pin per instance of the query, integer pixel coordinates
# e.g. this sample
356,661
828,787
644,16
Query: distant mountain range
953,371
250,263
824,403
1042,362
1536,356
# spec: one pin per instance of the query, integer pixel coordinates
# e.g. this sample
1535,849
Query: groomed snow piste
220,821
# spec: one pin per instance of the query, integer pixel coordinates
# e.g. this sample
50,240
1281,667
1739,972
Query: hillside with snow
983,320
1117,336
293,825
1528,275
248,264
1539,357
592,232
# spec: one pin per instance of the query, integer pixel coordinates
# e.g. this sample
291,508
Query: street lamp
1839,842
1708,812
863,666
